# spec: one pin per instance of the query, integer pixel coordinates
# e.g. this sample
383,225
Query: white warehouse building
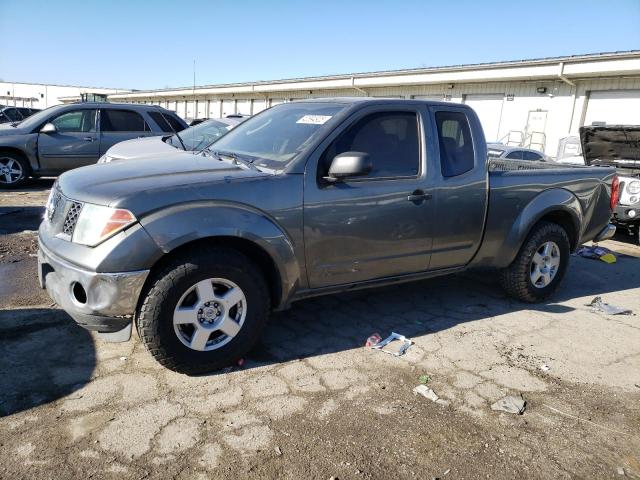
40,95
533,103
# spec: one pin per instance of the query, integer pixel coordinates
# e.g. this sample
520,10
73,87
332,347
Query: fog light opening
79,293
631,213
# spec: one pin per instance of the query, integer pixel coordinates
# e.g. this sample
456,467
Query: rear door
460,197
368,227
117,125
75,142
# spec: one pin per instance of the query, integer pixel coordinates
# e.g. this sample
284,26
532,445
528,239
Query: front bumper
627,213
104,302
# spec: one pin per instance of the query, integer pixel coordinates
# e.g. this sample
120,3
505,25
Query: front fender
180,224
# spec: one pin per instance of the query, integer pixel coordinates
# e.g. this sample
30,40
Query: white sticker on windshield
314,119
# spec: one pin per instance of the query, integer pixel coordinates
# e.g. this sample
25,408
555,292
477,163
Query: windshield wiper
234,158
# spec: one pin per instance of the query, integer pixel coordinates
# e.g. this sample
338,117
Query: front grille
72,218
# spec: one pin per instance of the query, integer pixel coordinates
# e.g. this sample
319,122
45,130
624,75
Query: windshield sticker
314,119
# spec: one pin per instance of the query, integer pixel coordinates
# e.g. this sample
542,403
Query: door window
122,121
391,140
12,114
515,155
76,121
456,145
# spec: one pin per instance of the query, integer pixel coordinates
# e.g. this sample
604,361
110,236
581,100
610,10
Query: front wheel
540,264
203,311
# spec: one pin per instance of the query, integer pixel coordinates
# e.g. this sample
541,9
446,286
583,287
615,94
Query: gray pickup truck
306,198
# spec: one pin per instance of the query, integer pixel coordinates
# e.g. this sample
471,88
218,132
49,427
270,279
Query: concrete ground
312,402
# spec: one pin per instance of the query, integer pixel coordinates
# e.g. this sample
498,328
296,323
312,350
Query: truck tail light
615,192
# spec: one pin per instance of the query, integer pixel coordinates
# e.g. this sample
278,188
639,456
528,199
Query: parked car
190,140
498,150
618,146
64,137
16,114
306,198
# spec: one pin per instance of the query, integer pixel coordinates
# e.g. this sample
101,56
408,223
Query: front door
375,226
120,125
73,144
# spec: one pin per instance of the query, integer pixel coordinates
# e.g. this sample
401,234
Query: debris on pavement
510,404
426,392
424,379
598,253
373,339
597,305
621,471
278,451
395,344
544,367
123,359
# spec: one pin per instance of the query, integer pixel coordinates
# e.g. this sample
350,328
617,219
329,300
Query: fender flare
551,201
184,223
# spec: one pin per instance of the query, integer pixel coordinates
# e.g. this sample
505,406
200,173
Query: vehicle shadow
341,322
44,356
19,219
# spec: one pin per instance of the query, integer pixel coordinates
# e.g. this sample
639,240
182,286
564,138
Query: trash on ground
123,359
544,367
373,339
597,305
424,379
510,404
621,471
598,253
426,392
395,344
278,451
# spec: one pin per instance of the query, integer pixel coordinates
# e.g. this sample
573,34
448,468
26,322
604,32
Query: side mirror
48,128
349,164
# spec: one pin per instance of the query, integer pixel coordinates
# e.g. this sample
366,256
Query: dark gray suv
64,137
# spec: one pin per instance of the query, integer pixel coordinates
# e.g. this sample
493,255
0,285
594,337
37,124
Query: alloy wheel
209,314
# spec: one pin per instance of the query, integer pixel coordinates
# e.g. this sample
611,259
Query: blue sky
136,44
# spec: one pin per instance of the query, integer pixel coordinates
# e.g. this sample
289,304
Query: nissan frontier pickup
306,198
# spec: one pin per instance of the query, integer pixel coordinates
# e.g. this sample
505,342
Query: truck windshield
274,138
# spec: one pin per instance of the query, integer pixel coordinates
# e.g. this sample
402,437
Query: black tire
24,167
516,278
154,319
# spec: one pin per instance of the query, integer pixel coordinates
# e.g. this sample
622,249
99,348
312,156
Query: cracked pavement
312,402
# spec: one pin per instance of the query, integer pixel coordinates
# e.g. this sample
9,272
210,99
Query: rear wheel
203,311
14,170
540,264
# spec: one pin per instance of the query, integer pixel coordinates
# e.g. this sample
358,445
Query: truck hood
141,147
120,183
615,146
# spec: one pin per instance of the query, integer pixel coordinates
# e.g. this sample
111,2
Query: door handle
418,196
88,139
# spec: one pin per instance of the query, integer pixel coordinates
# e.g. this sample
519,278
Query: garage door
489,110
243,107
201,109
614,107
228,107
259,104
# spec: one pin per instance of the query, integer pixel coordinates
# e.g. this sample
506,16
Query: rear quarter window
456,144
122,121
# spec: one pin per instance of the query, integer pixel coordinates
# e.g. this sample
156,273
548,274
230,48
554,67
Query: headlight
97,223
633,187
